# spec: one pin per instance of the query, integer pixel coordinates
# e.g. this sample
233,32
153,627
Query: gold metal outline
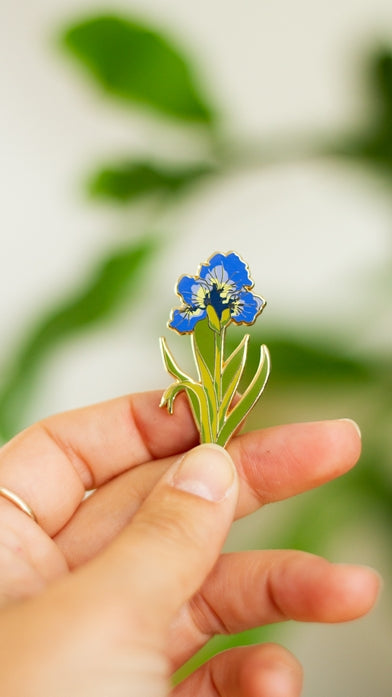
18,501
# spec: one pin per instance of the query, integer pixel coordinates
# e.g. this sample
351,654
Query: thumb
163,556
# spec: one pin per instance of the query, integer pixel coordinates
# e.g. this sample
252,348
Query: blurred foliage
373,144
103,293
144,68
306,359
133,62
127,181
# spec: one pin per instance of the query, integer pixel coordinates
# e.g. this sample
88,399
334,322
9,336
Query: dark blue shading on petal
184,319
246,308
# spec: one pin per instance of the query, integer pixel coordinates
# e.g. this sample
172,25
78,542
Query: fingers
251,671
251,589
283,461
273,463
20,579
272,586
51,464
102,516
29,559
114,613
164,555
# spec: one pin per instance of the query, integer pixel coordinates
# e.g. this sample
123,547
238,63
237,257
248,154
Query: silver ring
14,498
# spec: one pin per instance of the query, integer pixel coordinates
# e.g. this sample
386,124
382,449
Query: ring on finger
15,499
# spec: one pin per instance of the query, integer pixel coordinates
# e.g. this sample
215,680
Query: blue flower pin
219,295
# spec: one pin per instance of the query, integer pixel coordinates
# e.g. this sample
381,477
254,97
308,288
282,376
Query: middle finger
252,589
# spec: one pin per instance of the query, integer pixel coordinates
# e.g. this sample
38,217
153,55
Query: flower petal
246,307
184,319
192,291
227,268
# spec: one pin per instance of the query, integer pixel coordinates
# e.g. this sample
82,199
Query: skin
108,595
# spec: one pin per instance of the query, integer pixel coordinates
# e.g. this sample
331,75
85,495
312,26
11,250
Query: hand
108,595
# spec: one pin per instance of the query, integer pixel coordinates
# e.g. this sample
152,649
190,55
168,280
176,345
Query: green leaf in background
381,82
127,181
135,63
373,146
111,283
223,642
308,360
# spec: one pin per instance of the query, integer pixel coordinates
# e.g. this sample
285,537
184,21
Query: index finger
51,464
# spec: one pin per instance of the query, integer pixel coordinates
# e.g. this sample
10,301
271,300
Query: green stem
218,367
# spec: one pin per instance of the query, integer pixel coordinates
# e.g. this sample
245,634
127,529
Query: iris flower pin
219,295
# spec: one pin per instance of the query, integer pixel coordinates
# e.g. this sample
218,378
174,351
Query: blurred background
139,137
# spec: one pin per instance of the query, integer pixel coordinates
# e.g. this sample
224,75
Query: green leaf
199,403
171,393
207,381
115,279
381,81
196,390
202,408
373,144
308,360
232,372
248,399
171,364
225,318
222,642
127,181
137,64
213,319
204,339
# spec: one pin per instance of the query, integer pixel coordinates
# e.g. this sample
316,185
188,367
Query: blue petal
184,319
247,307
232,266
187,288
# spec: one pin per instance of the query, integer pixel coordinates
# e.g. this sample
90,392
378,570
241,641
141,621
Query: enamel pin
218,296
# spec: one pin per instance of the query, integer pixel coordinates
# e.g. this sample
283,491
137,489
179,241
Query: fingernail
353,423
206,471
